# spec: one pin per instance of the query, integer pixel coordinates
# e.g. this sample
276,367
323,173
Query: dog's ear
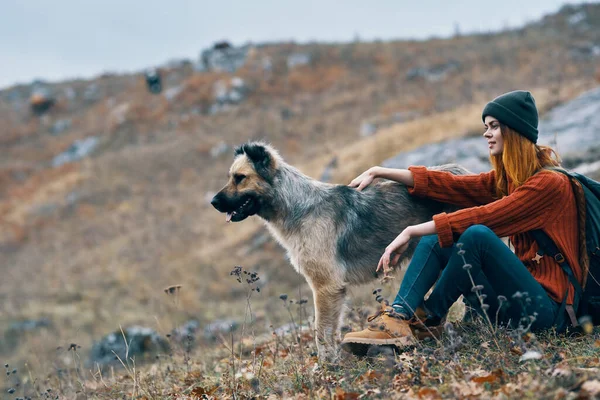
260,157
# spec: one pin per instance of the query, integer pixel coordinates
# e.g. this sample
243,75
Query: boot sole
360,346
399,342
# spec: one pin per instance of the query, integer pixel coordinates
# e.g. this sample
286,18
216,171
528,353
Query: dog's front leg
329,301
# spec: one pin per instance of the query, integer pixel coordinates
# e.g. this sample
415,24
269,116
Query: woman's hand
393,251
364,179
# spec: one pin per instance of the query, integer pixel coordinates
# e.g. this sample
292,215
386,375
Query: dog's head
250,182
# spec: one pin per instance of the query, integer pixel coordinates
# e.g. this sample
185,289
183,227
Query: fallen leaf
592,362
485,345
531,355
192,377
528,336
483,379
469,389
424,368
371,375
428,393
516,350
199,391
283,353
341,394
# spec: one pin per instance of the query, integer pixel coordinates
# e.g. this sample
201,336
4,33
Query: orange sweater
545,201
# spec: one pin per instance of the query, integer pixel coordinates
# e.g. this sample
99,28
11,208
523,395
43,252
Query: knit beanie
516,110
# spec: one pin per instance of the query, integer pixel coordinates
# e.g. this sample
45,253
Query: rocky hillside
104,184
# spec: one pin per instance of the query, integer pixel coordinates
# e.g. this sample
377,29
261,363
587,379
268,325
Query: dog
334,235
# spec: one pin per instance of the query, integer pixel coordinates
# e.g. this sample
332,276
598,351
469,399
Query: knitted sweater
545,201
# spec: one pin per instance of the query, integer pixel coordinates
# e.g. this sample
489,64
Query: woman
517,196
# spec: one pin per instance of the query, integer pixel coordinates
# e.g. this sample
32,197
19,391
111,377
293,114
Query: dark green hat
516,110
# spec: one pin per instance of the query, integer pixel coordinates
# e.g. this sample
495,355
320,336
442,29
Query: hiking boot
425,326
385,328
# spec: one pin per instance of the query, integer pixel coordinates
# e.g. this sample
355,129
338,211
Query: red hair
520,159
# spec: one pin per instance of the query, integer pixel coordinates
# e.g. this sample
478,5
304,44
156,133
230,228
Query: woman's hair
520,159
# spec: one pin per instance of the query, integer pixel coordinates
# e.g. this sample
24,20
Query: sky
64,39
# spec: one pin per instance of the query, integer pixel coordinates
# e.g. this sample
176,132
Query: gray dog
334,235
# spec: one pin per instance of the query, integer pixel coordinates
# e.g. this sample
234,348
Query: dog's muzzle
236,210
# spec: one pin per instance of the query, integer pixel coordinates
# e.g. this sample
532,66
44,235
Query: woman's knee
476,233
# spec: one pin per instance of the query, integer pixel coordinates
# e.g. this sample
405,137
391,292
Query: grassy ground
473,359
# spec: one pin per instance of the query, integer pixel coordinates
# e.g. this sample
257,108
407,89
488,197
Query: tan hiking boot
423,327
384,329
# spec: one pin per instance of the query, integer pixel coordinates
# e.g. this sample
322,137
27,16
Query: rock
223,58
29,325
367,129
60,126
228,93
186,334
585,51
118,115
573,129
267,64
91,93
143,344
298,59
435,73
217,328
592,169
72,198
78,150
44,210
290,328
406,116
173,92
17,330
70,93
577,18
286,113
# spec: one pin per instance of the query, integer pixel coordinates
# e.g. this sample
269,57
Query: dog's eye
239,178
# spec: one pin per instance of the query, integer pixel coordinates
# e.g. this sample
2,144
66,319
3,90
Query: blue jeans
493,266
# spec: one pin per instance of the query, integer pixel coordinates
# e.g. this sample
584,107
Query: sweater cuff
444,231
421,186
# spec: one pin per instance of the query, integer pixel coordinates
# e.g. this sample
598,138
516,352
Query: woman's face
493,135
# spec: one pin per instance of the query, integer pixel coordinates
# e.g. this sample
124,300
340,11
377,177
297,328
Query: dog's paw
328,356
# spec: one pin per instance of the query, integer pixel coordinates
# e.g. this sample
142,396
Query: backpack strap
549,247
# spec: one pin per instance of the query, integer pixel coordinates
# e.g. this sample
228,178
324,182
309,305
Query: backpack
587,295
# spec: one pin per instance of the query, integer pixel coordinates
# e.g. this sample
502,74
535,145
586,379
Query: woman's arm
531,206
399,245
399,175
424,229
461,190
